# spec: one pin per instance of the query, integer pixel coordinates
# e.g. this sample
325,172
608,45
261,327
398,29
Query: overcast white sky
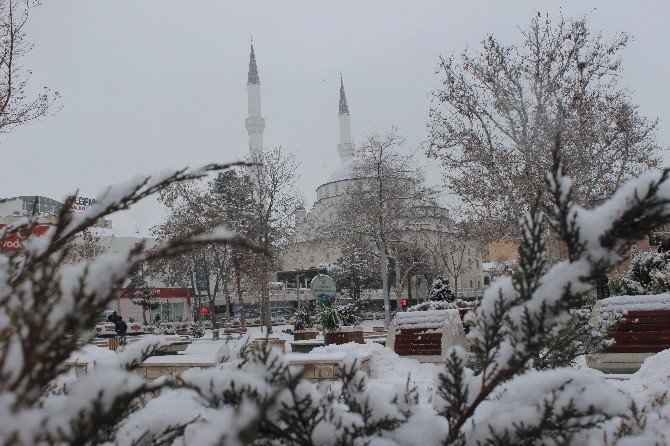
154,84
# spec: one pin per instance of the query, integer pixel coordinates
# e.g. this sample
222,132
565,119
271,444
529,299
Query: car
108,329
207,324
105,330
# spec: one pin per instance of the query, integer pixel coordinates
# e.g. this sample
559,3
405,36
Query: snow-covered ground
387,369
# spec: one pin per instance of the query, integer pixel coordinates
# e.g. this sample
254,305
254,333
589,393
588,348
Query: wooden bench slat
419,352
648,313
625,327
647,320
660,336
635,349
435,337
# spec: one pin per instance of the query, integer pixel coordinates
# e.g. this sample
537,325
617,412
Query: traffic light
204,310
404,303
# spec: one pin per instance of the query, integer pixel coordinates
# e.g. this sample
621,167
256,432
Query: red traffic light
204,310
404,303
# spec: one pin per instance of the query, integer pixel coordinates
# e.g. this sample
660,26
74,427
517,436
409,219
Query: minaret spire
344,107
255,123
346,147
253,69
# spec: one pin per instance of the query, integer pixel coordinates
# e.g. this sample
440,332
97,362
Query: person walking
121,327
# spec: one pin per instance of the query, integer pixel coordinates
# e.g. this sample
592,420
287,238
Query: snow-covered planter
304,335
275,342
344,335
643,330
426,335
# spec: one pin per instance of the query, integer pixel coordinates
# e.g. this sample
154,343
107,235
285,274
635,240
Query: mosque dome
348,170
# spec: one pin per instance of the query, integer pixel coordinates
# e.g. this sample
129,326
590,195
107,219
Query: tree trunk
238,284
398,285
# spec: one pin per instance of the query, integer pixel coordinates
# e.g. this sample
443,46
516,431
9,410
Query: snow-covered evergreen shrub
334,316
441,290
165,329
195,330
648,273
305,317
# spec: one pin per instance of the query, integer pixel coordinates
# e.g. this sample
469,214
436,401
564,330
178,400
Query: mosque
311,248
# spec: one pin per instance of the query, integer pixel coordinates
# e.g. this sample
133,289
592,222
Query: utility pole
385,285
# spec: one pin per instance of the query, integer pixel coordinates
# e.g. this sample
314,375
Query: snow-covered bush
196,330
648,273
441,290
442,297
305,317
165,329
333,316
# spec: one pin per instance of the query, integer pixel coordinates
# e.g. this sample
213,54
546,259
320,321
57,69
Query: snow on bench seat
651,302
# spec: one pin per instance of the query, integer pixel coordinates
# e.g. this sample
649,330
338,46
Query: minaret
346,147
255,123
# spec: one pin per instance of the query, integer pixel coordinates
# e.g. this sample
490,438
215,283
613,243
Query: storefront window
168,312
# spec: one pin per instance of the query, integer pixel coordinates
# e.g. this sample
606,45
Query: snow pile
388,369
433,305
652,302
429,319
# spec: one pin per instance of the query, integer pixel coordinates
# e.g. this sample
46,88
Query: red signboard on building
14,242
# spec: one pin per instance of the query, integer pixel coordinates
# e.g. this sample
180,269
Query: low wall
315,367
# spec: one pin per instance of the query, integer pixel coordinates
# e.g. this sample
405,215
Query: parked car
107,329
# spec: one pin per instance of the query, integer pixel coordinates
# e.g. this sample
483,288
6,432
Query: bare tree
497,111
86,246
273,174
382,203
204,269
16,107
455,249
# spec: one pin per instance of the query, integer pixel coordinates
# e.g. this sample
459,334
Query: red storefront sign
14,241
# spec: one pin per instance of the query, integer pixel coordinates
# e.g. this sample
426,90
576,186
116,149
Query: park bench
426,335
643,331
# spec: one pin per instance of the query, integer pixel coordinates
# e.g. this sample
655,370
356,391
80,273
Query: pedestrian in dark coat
121,327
